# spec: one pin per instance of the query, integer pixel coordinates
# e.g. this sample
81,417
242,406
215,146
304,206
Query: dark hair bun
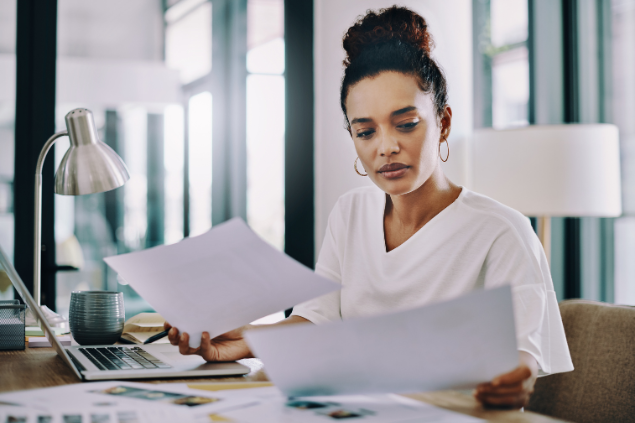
390,24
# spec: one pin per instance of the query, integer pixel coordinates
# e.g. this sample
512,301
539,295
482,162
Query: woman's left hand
513,389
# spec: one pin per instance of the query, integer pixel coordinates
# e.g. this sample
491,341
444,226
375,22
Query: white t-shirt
473,243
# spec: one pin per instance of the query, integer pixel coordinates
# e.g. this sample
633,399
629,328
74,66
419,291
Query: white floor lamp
549,171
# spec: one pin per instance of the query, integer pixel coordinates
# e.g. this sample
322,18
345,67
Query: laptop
107,362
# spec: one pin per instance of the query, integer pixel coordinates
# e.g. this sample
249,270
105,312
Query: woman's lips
393,170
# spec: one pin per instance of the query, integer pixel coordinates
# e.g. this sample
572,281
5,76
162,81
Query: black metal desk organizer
12,325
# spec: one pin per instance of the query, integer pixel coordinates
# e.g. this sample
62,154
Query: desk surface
41,368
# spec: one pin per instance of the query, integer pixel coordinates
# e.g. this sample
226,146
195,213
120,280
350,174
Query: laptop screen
7,271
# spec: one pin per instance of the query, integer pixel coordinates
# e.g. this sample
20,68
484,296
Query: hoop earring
355,166
448,156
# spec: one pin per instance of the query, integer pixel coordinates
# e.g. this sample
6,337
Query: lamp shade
550,170
89,166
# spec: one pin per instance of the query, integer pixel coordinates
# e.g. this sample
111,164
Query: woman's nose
388,146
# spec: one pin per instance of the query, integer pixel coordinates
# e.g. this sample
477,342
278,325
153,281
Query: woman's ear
446,123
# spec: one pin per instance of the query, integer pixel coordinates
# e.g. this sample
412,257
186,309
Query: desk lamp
89,166
568,170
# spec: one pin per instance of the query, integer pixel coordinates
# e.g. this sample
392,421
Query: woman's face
396,131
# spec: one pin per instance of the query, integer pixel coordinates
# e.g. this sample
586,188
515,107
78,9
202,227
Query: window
174,168
137,104
265,119
623,52
581,57
265,124
188,40
188,50
7,118
510,64
200,162
153,91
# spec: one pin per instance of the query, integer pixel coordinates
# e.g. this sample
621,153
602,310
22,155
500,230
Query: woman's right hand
230,346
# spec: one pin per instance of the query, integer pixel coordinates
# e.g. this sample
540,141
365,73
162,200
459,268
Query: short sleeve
327,307
516,257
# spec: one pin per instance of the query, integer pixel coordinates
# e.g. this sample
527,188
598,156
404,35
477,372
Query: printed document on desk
218,281
80,414
450,345
274,407
121,396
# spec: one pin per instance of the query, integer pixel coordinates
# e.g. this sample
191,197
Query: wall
8,12
110,30
450,22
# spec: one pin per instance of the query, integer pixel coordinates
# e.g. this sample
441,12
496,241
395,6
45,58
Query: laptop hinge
79,366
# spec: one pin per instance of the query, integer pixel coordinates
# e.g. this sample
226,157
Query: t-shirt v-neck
421,231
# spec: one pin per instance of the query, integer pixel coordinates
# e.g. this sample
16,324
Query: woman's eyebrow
393,114
402,111
360,120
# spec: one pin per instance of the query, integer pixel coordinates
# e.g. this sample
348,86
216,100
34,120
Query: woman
419,238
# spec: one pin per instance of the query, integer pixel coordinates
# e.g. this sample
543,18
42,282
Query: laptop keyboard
122,358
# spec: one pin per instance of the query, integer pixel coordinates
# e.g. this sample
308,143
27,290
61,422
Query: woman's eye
365,134
408,125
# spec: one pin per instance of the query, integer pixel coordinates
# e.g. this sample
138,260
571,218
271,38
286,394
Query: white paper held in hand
455,344
218,281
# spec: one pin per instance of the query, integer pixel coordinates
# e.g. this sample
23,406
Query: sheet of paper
248,396
366,408
228,386
275,407
89,415
117,395
218,281
450,345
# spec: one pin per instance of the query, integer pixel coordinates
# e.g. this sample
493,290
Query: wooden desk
41,368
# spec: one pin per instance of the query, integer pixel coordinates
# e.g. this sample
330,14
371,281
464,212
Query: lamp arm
37,228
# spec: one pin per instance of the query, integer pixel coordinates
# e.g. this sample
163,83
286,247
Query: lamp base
544,234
